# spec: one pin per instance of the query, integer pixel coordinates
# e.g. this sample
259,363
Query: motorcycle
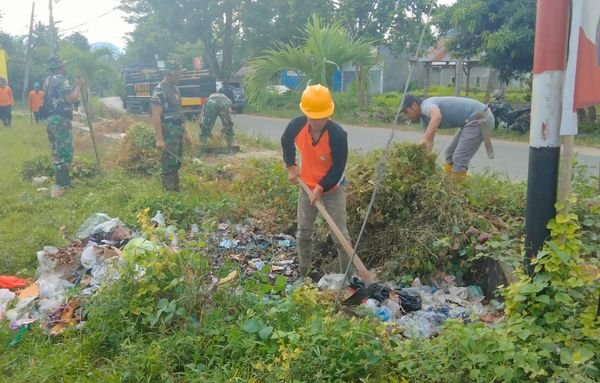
517,120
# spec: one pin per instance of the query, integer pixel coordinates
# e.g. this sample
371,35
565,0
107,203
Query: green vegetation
173,324
324,49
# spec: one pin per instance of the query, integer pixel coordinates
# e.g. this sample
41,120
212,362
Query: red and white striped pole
549,62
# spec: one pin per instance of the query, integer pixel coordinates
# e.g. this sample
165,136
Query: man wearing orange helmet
323,147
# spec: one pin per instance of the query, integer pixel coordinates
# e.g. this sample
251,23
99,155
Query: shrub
137,152
42,165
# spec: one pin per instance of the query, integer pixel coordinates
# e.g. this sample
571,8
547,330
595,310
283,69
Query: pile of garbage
95,258
86,264
419,310
254,250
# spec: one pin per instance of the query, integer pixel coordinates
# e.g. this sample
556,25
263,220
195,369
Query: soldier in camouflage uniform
217,105
58,103
168,119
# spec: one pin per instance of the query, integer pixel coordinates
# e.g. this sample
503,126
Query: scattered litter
228,244
39,180
158,219
6,296
230,277
101,228
249,246
418,310
331,282
33,291
12,282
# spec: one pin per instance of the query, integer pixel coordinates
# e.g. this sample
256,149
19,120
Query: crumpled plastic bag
6,296
46,261
52,285
331,282
100,227
421,324
87,227
89,256
409,301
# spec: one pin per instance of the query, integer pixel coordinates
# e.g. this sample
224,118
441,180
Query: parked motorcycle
517,120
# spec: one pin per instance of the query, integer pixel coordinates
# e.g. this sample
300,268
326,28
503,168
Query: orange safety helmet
317,102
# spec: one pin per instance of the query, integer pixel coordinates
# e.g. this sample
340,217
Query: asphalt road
511,157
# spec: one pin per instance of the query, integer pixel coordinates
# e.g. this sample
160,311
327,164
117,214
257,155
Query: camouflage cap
36,84
54,62
172,66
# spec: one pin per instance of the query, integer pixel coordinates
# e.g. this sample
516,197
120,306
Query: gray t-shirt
455,110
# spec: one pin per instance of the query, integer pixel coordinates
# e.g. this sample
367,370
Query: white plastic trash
331,282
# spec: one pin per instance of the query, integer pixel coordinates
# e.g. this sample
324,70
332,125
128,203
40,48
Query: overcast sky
101,22
110,28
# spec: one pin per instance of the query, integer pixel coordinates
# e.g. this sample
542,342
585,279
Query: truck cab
139,82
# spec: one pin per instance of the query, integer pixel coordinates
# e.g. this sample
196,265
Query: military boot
62,177
170,182
304,248
459,176
448,168
229,140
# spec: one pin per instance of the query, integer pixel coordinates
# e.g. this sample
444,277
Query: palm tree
90,66
325,48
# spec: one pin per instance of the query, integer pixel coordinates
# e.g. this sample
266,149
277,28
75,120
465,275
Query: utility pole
53,40
28,57
549,64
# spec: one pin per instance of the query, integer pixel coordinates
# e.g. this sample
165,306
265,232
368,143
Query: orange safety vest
36,99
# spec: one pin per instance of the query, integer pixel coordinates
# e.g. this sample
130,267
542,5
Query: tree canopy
235,31
500,32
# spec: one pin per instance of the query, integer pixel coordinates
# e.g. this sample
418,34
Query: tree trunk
361,87
427,79
468,67
210,53
490,85
227,44
458,77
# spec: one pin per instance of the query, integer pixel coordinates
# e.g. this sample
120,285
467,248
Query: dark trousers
6,115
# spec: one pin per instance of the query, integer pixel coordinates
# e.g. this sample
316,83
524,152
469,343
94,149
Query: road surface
511,157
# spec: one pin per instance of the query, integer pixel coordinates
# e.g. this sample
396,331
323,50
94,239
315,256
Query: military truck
139,82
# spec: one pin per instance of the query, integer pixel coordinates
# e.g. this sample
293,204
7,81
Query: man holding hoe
323,147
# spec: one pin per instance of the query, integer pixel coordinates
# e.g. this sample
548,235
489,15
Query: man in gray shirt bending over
474,119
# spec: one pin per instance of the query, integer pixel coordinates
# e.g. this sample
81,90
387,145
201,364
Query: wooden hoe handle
364,273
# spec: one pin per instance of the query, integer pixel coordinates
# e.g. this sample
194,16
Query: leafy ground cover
173,324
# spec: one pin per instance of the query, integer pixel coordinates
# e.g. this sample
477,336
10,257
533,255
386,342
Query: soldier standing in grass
323,147
36,99
474,119
6,102
217,105
168,119
59,100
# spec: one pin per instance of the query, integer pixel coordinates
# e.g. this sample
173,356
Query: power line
89,21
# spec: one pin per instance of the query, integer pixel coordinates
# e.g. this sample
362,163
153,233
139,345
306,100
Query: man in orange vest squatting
36,99
323,147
